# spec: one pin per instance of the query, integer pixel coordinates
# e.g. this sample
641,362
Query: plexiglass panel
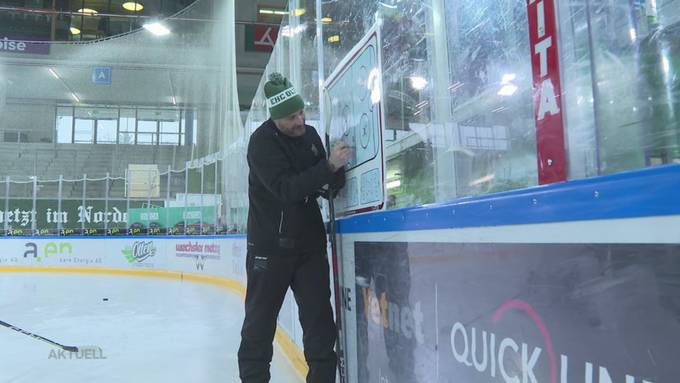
621,66
459,95
122,95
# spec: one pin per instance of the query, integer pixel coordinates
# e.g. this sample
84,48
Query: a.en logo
50,248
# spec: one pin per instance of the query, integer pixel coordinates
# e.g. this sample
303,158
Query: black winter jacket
287,175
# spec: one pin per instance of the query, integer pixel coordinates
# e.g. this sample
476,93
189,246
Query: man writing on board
287,237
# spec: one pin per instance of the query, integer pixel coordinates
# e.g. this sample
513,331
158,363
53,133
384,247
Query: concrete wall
35,121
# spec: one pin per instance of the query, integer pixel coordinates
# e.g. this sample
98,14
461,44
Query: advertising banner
199,255
19,213
172,216
529,313
25,45
261,38
129,252
547,89
224,257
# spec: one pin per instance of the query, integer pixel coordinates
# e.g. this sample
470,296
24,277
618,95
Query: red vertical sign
551,153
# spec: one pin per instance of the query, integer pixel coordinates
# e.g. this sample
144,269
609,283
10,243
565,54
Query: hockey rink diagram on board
354,117
354,96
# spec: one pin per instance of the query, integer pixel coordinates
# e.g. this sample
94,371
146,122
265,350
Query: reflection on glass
492,142
123,123
64,129
146,132
170,139
169,126
624,63
144,126
126,138
146,138
106,131
195,131
170,132
126,127
84,131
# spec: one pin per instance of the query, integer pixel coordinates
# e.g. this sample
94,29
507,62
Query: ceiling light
373,82
508,77
455,86
387,5
75,97
418,82
133,6
266,11
393,184
507,90
157,29
87,11
486,178
326,20
334,39
287,31
300,11
75,31
53,73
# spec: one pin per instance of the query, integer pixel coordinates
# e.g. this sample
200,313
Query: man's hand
339,155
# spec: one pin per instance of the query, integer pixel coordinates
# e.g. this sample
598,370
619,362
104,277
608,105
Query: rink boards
571,283
205,255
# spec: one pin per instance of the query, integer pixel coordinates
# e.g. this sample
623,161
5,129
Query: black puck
105,299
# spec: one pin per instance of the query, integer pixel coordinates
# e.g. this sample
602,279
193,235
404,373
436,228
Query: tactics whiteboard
354,97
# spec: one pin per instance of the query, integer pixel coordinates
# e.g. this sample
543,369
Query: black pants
269,276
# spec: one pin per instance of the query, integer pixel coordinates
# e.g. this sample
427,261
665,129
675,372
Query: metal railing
173,202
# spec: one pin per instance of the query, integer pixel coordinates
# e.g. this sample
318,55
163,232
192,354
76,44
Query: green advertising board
172,216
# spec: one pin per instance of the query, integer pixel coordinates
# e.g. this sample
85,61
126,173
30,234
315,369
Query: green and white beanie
282,99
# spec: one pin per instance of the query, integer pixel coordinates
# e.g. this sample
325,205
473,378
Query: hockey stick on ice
38,337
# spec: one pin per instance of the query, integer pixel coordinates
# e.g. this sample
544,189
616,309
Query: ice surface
150,330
